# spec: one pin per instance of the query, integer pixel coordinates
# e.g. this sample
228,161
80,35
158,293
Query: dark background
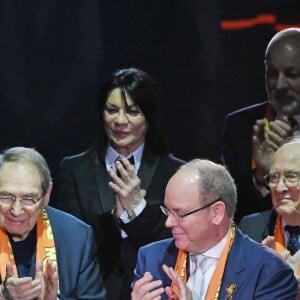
54,54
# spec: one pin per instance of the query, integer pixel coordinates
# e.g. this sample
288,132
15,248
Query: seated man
208,257
44,253
280,227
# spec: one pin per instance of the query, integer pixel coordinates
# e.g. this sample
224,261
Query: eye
111,110
28,200
293,75
272,74
133,110
6,198
292,176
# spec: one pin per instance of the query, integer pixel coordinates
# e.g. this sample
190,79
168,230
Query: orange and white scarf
45,248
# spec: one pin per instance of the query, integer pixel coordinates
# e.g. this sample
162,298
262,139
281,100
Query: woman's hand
126,187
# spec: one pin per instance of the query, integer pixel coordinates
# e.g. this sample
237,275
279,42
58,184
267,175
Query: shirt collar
111,155
216,250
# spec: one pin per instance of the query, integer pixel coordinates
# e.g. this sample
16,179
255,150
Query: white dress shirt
202,267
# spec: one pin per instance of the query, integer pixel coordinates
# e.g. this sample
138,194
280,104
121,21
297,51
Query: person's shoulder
261,253
79,158
264,215
254,108
64,219
158,246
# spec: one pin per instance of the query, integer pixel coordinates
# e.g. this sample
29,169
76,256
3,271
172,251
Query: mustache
280,94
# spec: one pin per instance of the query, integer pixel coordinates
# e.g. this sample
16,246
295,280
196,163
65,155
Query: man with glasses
208,257
279,228
45,254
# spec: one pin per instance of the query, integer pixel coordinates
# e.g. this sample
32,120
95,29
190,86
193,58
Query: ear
218,212
48,193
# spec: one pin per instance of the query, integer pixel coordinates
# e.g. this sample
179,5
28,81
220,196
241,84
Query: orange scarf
215,282
45,248
279,237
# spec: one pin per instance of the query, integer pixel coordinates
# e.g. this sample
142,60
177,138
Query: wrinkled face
20,180
282,78
192,233
286,161
125,127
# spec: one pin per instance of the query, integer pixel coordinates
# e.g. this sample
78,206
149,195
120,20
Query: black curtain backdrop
50,60
54,55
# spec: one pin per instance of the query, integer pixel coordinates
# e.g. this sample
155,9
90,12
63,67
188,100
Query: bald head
288,151
290,36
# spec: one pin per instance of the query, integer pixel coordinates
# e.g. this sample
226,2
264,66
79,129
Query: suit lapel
147,171
235,275
169,259
106,195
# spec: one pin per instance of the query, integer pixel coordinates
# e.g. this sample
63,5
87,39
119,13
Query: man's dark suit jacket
258,226
84,192
237,156
257,271
78,268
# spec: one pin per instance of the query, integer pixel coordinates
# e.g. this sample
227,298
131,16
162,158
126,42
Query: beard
286,103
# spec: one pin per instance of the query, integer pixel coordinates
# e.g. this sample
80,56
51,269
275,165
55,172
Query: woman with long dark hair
117,186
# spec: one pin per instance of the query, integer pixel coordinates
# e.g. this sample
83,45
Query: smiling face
125,124
19,180
282,76
286,200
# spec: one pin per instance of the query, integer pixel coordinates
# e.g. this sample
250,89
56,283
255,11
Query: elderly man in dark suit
253,134
280,227
44,253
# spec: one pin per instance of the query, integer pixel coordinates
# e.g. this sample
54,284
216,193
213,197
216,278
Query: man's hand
278,132
261,150
126,187
147,289
266,140
20,288
49,280
184,293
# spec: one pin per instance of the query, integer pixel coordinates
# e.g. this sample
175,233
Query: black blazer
84,192
237,156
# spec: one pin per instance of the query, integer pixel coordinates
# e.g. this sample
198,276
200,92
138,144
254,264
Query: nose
121,118
281,187
281,82
170,221
17,208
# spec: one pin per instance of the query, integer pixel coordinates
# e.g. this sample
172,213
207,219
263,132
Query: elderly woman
118,185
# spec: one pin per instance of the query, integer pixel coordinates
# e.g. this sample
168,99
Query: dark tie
293,244
130,159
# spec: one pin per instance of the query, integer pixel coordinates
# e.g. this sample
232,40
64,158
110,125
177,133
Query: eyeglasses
27,201
179,217
290,180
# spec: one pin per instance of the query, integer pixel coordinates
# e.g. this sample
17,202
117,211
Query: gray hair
215,182
29,156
